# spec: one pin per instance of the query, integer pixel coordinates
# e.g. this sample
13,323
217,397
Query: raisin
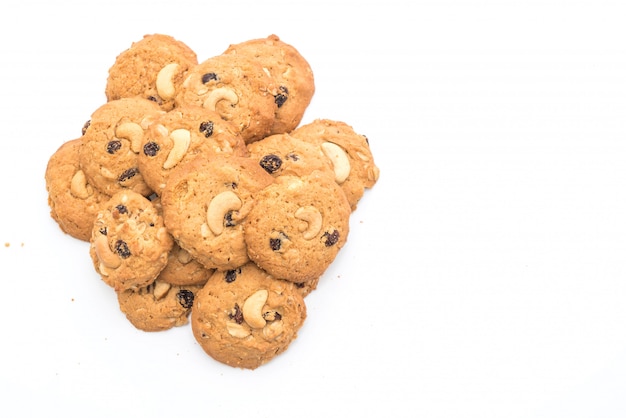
206,128
281,97
151,149
85,126
208,77
185,298
131,172
121,209
229,219
114,146
103,230
231,275
121,248
331,238
275,244
236,314
271,163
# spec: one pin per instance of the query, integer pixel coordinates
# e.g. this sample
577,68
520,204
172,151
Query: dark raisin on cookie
114,146
330,238
85,126
103,230
121,248
228,219
236,314
206,128
151,149
271,163
281,97
275,244
231,275
185,298
208,77
131,172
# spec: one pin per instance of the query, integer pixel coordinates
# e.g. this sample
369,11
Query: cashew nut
133,132
218,95
107,257
273,330
219,206
161,289
181,139
253,309
164,85
237,330
313,218
339,160
79,186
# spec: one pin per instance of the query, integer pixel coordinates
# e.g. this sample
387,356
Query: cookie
73,202
183,270
158,306
244,317
291,73
129,244
283,154
297,226
349,153
176,137
152,68
112,140
205,204
236,87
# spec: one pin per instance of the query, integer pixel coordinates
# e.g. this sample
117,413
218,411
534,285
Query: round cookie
112,140
178,136
348,151
73,202
183,270
152,68
159,306
129,244
291,73
236,87
245,318
297,226
204,206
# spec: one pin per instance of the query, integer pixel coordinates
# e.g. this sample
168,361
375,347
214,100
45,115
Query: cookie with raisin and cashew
158,306
297,226
244,317
291,73
178,136
129,244
73,202
283,154
236,87
205,203
111,143
349,153
152,68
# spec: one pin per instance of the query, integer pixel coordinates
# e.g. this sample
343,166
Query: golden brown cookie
152,68
180,135
205,204
73,202
245,318
297,226
129,242
112,140
183,270
158,306
349,153
291,73
236,87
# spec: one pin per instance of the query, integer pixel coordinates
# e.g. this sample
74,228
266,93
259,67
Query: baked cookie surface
244,317
183,270
129,244
297,226
152,68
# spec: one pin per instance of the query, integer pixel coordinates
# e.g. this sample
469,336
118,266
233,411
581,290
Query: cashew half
339,159
164,85
219,206
237,330
313,218
181,139
131,131
107,257
253,309
218,95
160,289
79,186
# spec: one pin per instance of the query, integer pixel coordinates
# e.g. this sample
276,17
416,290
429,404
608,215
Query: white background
484,274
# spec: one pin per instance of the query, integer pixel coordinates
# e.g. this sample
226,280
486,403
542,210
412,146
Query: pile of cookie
203,199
